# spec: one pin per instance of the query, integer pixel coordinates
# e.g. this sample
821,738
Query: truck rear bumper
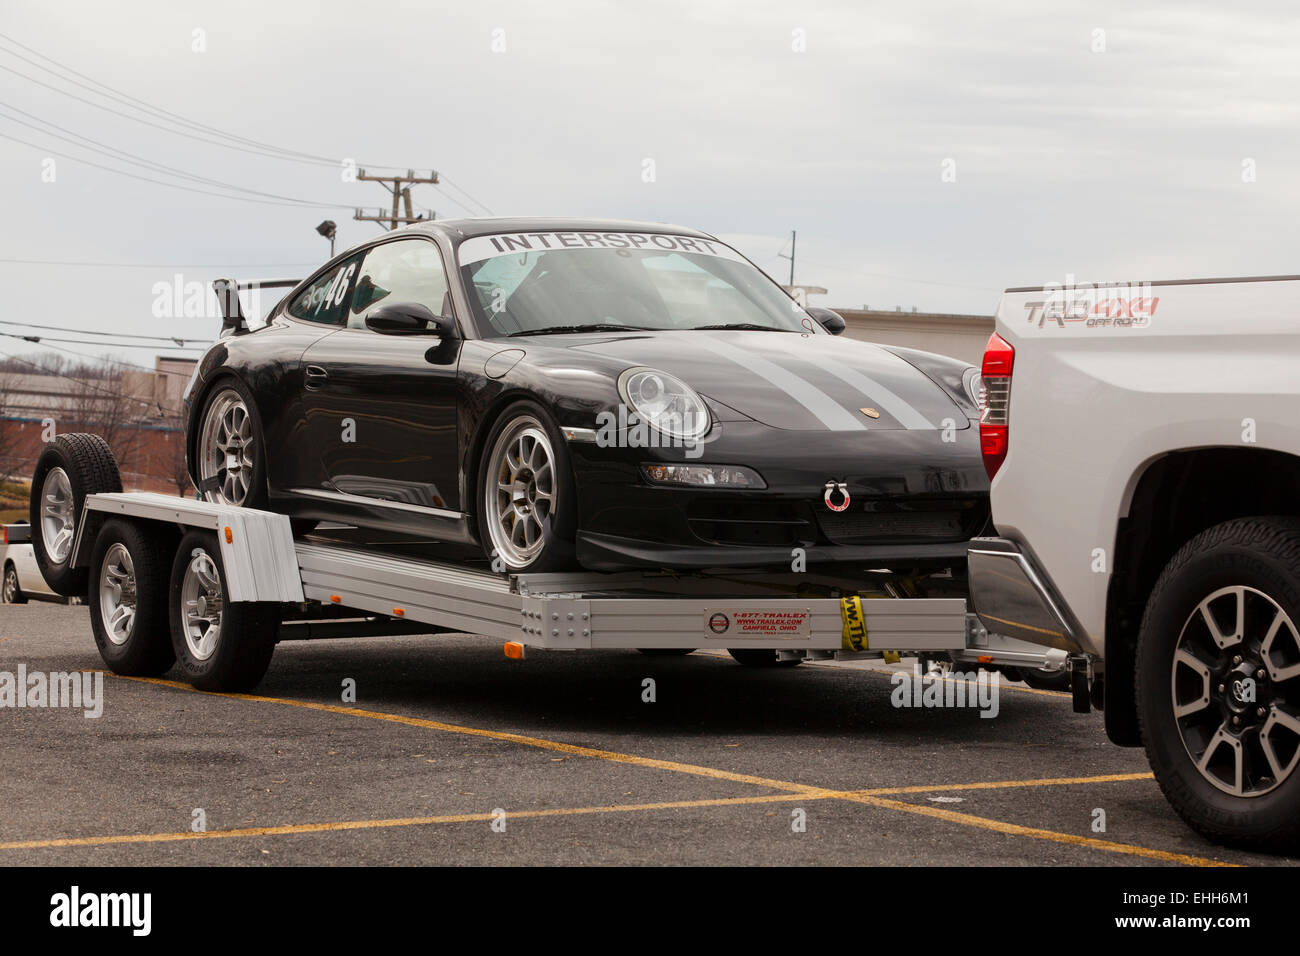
1013,597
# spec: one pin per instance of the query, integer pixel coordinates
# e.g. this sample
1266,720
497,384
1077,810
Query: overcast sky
929,154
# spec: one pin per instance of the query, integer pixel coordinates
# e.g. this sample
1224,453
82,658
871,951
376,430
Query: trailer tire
760,657
220,645
1040,679
128,600
71,467
1217,677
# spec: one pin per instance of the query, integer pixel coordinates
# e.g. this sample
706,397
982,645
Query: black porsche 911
611,395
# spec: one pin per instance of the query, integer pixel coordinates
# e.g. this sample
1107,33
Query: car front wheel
526,499
1218,682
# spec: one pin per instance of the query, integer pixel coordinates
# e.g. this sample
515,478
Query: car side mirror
409,318
830,320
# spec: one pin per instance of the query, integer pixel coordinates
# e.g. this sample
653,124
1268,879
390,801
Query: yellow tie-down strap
854,635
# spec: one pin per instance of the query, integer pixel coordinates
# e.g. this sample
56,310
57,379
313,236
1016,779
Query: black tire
666,651
559,527
141,646
1044,680
209,489
10,591
237,657
760,657
87,464
1247,569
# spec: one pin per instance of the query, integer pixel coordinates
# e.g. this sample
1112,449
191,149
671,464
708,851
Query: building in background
138,411
961,336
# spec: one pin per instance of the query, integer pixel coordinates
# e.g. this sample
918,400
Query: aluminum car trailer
214,587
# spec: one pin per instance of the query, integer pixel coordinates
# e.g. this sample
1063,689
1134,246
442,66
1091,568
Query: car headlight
664,402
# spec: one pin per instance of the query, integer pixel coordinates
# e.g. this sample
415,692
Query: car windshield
534,283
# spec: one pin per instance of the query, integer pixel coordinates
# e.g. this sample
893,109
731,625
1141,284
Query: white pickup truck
1144,446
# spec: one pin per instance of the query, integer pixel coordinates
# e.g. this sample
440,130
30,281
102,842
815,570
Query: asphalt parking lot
445,732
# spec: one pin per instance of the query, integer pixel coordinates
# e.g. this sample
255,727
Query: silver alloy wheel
1236,691
201,605
117,594
226,449
520,491
58,525
11,585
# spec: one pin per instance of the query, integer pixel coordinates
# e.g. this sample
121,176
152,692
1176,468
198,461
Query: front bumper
1013,596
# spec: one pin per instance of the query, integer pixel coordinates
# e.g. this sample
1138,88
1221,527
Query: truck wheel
128,600
1218,682
760,657
219,645
11,592
70,467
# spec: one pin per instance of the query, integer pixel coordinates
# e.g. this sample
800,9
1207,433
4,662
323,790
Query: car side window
408,270
325,300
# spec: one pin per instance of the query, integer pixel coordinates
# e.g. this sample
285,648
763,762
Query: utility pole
790,257
400,187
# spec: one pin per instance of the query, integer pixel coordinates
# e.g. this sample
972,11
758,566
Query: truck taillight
995,397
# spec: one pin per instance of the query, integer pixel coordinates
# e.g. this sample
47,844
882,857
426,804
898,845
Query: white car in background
20,579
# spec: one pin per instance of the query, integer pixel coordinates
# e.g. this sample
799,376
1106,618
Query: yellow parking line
340,825
801,790
1009,784
572,749
1015,829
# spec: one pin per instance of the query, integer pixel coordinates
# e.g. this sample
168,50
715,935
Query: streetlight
328,230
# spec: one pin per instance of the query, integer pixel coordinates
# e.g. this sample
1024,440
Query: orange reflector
230,536
514,650
985,659
335,598
399,611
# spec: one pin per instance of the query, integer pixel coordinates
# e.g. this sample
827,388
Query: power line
40,339
81,382
163,265
265,149
77,139
297,203
121,335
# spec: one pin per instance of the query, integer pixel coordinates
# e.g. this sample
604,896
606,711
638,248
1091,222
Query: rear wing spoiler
233,321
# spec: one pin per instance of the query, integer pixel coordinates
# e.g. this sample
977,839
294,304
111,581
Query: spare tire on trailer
70,467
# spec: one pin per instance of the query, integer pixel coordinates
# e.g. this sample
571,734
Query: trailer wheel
128,600
12,593
220,645
1218,682
1042,679
760,657
70,467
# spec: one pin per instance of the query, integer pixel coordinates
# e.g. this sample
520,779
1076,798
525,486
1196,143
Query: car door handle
316,376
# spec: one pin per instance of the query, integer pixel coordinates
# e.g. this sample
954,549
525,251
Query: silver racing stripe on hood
880,396
831,414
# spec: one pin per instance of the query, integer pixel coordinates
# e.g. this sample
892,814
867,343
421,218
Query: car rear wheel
1218,682
11,592
526,500
230,466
